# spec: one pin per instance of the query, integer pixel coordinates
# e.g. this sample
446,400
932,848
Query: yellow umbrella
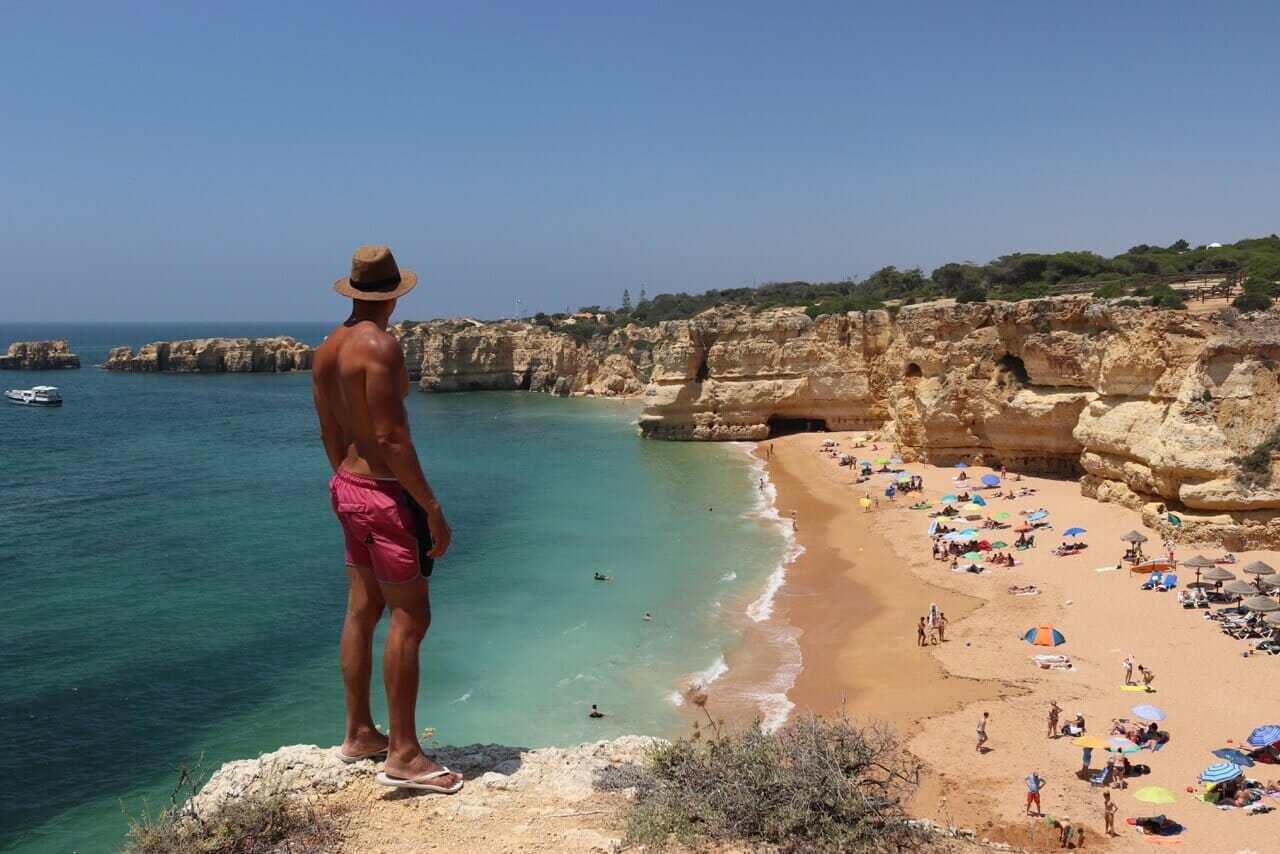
1155,795
865,502
1095,741
971,507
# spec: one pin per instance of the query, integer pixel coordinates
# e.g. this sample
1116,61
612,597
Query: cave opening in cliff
703,370
914,372
779,426
1015,366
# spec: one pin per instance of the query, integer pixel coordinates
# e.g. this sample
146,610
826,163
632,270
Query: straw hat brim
408,279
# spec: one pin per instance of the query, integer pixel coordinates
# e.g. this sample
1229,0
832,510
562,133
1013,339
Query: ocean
174,590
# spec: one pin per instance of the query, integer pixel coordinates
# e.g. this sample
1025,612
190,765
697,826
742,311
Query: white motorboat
41,395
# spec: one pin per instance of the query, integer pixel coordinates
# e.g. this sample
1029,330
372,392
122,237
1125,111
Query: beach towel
1107,568
1157,839
1132,688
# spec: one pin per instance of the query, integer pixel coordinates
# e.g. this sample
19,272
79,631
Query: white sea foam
771,697
675,699
462,699
570,631
717,669
767,510
729,576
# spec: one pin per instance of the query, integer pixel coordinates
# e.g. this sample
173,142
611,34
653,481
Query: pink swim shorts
384,528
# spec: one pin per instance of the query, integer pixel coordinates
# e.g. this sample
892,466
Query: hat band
380,286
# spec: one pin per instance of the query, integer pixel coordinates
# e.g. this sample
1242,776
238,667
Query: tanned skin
359,382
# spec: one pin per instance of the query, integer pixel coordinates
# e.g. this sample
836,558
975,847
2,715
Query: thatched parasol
1260,604
1133,537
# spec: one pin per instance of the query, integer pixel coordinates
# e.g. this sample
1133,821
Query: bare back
355,358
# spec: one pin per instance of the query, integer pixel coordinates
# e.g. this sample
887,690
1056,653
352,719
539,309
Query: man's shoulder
363,341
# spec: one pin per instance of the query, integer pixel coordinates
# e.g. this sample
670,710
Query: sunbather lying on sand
1024,590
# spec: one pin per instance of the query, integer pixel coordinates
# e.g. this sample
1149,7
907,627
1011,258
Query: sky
210,161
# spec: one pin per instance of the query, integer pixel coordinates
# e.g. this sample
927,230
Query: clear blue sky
221,160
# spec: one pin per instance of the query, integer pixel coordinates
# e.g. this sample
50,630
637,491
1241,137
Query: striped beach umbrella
1148,712
1044,636
1220,772
1120,744
1234,756
1265,735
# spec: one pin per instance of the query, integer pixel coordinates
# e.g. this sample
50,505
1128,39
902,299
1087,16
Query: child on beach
1054,711
982,730
1128,670
920,633
1109,813
1147,676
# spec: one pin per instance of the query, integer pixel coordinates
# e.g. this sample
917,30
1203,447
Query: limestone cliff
464,355
213,356
39,356
1152,409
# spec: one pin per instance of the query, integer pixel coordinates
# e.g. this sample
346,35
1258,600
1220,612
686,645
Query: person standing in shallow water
392,524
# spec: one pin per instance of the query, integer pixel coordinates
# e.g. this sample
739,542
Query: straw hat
375,276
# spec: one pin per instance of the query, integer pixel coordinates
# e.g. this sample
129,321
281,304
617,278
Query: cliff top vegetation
1143,271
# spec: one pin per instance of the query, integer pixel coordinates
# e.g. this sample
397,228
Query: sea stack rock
213,356
39,356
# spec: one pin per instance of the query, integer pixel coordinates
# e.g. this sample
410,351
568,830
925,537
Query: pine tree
642,296
626,300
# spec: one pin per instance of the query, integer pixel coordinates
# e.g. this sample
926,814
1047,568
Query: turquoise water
173,583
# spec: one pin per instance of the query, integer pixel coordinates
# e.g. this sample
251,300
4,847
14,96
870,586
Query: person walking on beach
1109,813
920,633
942,626
1128,670
1034,784
1148,676
392,523
982,730
1054,711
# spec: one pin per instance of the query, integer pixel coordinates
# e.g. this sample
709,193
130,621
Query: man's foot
397,768
364,745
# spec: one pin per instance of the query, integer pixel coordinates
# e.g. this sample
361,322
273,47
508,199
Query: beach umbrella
1074,532
933,527
970,507
1238,588
1094,741
961,465
1201,584
1044,636
1037,516
1258,568
1220,772
972,556
1022,529
1120,744
1148,712
897,461
1265,735
866,464
991,480
1236,757
906,478
1133,537
1002,515
980,501
999,544
1260,604
1200,561
969,532
1219,574
955,537
948,499
882,460
1155,795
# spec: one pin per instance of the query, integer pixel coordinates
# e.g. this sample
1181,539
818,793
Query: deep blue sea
173,586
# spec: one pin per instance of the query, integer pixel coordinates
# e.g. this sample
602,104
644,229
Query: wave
767,510
462,699
729,576
717,669
771,698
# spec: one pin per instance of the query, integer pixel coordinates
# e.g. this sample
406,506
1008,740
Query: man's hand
441,533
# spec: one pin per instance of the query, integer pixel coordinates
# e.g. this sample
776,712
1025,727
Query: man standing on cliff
391,521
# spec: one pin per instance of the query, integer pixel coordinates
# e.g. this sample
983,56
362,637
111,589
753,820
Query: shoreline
855,592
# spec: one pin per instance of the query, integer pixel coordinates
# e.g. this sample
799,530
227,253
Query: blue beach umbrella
980,501
961,465
1149,713
1265,735
897,461
866,464
969,532
1220,772
1044,636
1037,516
1236,757
956,536
1073,532
949,499
990,480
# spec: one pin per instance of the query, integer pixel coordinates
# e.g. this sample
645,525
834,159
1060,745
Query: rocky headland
39,356
213,356
1152,409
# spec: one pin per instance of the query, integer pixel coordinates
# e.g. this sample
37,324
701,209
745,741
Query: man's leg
410,619
364,609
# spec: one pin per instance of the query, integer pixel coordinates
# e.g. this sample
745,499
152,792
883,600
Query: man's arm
382,390
335,443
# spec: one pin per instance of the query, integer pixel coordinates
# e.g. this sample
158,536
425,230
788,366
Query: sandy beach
864,578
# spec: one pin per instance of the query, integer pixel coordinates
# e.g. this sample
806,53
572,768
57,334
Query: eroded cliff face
461,355
213,356
39,356
1152,409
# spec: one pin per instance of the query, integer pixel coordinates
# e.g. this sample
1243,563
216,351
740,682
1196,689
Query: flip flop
422,784
374,754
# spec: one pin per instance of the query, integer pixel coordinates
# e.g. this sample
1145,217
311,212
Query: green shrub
1161,295
1111,290
1252,301
1255,466
970,293
818,785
